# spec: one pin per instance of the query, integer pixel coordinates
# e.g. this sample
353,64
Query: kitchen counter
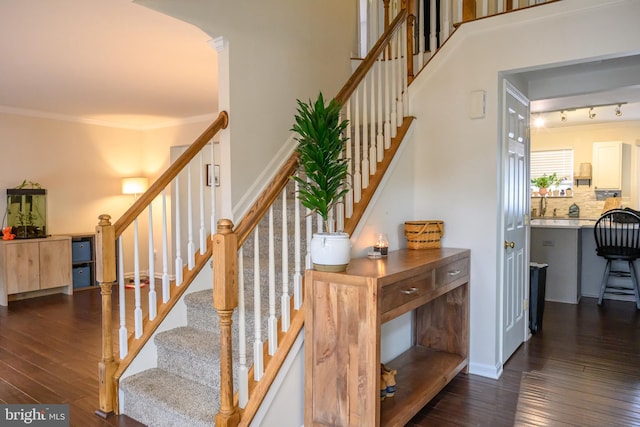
560,222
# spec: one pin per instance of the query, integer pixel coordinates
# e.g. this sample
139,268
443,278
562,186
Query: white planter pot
330,251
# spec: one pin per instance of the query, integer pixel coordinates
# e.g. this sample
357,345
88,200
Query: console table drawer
453,271
406,291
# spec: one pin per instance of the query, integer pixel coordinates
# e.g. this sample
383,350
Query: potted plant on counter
543,182
322,186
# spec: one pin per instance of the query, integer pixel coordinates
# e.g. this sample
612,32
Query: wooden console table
343,315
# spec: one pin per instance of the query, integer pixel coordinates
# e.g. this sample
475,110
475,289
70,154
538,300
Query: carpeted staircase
183,389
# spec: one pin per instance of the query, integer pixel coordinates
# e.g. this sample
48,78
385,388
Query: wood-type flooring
50,348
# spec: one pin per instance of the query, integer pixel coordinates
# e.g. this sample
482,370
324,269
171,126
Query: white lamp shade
134,185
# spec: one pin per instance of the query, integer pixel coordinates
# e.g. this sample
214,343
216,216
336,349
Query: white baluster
372,121
136,281
349,196
307,259
153,298
213,193
178,262
446,20
500,7
273,321
399,79
380,120
123,333
357,177
405,75
203,231
459,8
243,380
365,135
166,294
297,277
320,224
285,301
394,85
485,8
258,362
191,247
387,99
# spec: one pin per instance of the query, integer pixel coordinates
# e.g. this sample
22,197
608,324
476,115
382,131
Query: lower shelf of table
422,373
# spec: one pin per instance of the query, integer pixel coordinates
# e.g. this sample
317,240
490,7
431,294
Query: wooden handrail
368,61
165,179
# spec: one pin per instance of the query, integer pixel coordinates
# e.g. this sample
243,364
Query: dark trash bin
537,284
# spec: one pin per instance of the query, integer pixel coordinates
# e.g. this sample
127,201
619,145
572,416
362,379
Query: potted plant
321,141
543,182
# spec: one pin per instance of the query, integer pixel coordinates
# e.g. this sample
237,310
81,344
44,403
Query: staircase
183,389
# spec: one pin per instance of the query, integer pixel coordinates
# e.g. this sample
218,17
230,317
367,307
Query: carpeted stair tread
190,340
192,353
159,398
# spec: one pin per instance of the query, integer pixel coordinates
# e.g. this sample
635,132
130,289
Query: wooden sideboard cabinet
343,314
33,266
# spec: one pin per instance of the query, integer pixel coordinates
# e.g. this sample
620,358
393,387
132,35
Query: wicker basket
423,234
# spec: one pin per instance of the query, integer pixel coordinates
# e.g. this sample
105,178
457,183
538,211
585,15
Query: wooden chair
617,234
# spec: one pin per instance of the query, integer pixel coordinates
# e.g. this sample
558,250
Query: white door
515,205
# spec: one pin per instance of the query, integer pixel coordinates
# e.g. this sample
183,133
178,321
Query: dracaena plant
321,140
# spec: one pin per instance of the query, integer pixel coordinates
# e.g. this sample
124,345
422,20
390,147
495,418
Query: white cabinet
607,165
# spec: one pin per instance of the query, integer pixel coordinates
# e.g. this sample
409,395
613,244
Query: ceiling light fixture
563,116
592,115
618,111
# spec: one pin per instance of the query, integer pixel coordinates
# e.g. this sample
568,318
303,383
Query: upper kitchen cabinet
611,165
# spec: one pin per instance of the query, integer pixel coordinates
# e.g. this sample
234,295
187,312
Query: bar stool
617,234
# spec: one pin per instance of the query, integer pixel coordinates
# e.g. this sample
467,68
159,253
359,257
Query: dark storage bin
81,251
537,285
81,276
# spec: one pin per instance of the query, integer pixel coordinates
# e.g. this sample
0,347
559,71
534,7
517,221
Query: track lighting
563,116
618,111
592,115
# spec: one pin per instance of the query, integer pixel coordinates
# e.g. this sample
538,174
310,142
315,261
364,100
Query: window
549,162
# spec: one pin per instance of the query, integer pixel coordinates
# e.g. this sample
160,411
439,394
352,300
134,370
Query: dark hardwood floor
598,346
50,347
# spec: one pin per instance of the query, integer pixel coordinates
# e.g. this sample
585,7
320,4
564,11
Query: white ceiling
117,63
109,62
575,88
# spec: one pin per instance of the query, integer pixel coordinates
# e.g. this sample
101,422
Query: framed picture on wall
213,175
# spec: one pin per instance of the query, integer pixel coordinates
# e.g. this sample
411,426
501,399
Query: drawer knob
454,272
409,291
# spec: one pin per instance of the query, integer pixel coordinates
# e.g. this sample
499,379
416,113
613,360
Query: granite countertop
563,222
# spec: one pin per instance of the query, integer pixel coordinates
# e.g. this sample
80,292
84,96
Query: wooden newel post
225,300
106,276
411,19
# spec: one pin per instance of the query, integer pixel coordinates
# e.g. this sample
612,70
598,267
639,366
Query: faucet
543,205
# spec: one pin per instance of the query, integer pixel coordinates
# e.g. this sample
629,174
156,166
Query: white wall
457,175
81,167
279,51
